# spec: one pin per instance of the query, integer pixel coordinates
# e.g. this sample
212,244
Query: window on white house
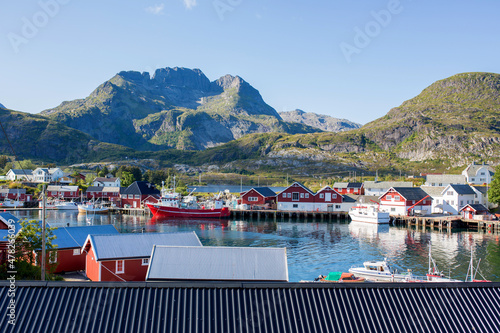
437,201
452,202
295,196
472,179
120,266
295,206
337,206
461,202
76,252
449,193
393,209
440,184
145,261
482,173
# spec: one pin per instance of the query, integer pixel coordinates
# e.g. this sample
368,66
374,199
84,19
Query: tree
104,171
494,190
127,178
156,176
29,242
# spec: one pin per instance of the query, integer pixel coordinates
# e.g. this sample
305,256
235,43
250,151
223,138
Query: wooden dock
445,223
288,215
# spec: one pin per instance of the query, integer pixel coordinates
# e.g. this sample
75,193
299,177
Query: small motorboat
93,208
339,277
380,271
66,205
368,213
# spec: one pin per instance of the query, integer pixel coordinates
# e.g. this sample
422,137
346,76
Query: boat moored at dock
369,213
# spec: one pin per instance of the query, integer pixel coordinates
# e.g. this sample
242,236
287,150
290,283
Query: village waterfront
316,247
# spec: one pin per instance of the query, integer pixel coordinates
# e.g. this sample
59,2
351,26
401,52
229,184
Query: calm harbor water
315,248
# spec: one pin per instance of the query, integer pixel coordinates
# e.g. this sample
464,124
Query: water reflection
315,248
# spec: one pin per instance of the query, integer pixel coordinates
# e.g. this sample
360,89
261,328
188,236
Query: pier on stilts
446,223
289,215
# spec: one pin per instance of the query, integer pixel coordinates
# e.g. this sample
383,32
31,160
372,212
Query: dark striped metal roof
240,307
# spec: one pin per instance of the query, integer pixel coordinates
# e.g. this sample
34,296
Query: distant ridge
174,108
2,107
322,122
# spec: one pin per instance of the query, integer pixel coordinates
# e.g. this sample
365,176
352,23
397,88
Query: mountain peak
2,107
464,88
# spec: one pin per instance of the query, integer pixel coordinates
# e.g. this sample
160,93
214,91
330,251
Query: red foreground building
125,257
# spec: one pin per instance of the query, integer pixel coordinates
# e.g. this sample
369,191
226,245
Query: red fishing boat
172,206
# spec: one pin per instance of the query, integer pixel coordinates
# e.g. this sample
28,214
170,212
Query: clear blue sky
298,54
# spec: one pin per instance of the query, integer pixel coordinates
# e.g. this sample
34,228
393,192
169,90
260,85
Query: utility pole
42,259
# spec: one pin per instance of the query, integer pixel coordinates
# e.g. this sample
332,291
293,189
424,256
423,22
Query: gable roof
8,219
74,237
482,189
301,185
461,189
411,193
62,188
327,187
218,263
433,191
446,179
476,208
348,185
106,179
141,187
22,172
264,191
386,185
472,169
13,190
122,246
94,189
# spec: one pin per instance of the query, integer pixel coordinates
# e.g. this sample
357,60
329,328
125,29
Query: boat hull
381,219
377,277
165,211
92,210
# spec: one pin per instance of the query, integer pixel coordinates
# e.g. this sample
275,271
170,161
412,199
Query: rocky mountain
175,108
2,107
455,118
37,137
450,124
322,122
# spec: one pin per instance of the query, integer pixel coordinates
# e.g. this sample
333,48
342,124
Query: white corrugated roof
218,263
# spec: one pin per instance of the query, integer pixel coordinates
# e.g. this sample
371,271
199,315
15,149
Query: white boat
66,205
11,204
380,271
369,214
92,208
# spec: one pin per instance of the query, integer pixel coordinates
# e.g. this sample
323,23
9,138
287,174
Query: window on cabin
334,196
295,206
388,197
295,196
284,195
307,195
452,202
321,195
76,252
449,193
137,196
145,261
302,195
396,197
393,209
337,206
120,266
289,195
